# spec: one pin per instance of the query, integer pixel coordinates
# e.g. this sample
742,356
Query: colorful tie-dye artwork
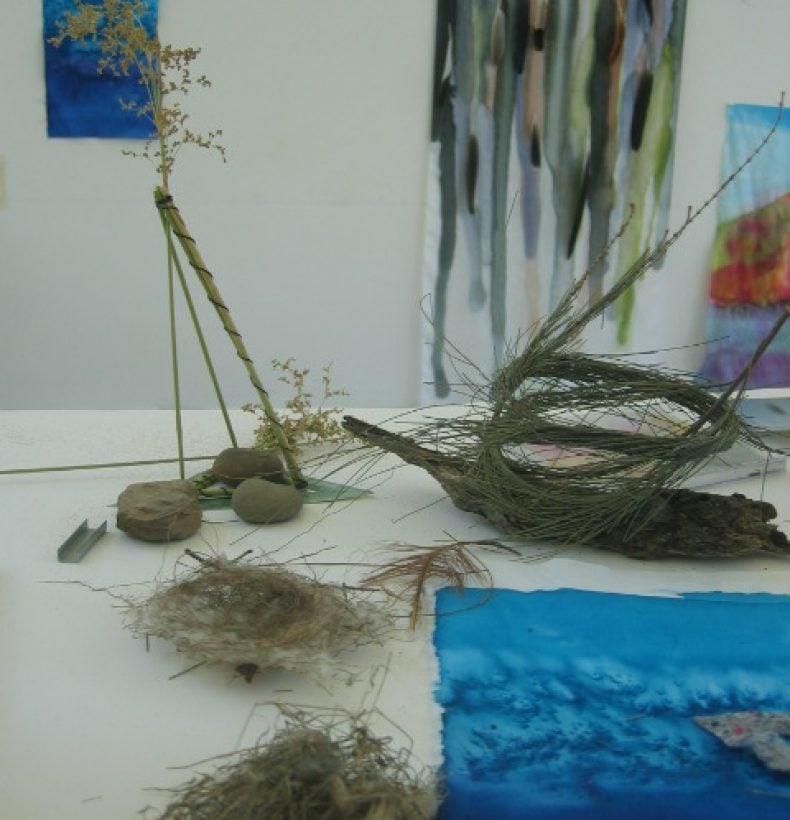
763,733
571,704
550,117
80,101
750,261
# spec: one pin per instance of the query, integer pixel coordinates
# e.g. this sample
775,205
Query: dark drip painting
550,119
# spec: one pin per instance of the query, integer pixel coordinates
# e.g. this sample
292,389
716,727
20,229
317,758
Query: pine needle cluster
449,564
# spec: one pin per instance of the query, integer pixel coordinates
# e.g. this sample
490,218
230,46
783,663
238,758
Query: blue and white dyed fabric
573,704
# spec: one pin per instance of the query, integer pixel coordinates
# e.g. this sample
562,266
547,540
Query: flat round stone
258,501
159,510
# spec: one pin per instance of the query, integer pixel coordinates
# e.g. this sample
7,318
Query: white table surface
90,721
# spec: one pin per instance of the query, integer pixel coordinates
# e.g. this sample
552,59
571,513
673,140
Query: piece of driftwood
675,522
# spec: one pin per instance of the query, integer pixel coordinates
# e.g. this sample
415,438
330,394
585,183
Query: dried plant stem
169,211
174,355
104,466
172,255
739,383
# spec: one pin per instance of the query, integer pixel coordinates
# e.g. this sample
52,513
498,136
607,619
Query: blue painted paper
573,704
80,101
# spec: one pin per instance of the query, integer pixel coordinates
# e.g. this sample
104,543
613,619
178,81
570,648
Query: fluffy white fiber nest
255,617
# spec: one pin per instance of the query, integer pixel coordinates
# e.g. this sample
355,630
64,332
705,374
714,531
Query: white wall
314,227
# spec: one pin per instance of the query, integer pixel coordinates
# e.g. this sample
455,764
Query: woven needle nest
255,616
580,449
308,771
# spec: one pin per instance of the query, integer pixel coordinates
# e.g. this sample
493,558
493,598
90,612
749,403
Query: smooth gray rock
234,465
258,501
159,510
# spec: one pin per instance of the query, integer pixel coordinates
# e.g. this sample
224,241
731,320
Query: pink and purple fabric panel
750,262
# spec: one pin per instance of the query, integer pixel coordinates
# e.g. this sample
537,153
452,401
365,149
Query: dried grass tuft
311,768
256,616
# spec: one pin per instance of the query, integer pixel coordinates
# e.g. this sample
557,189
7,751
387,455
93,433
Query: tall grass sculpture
581,449
128,48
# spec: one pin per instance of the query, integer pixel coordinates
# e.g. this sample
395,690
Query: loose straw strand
174,351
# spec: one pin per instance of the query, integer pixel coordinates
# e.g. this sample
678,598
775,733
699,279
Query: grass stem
198,329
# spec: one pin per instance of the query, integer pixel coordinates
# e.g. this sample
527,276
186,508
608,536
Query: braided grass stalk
175,262
169,211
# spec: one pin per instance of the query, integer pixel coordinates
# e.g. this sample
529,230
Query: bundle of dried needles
581,449
258,616
451,564
311,768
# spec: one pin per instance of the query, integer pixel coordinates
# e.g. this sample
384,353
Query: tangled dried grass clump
308,771
573,448
581,449
256,616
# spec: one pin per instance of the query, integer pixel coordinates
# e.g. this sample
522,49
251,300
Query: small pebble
258,501
234,465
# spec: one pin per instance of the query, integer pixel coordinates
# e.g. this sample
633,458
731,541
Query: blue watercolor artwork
80,101
572,704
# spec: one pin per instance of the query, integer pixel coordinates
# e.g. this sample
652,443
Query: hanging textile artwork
750,261
81,102
550,119
574,704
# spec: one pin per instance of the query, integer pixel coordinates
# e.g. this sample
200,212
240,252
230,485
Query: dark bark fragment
675,523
